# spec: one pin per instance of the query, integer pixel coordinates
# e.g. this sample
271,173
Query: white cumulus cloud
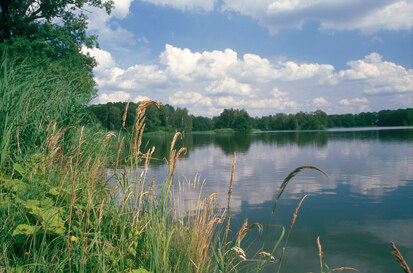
207,82
186,65
292,71
114,97
379,76
229,86
140,98
103,58
191,5
353,101
101,23
344,102
189,98
121,8
368,15
320,101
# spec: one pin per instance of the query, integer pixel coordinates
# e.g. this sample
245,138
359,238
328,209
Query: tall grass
60,210
33,101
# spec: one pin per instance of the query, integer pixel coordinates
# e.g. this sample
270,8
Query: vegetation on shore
61,211
170,119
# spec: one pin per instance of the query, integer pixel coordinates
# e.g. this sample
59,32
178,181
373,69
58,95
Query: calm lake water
366,203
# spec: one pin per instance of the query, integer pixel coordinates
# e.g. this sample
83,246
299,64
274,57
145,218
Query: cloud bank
368,16
207,82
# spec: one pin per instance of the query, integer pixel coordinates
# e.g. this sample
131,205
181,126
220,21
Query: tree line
168,118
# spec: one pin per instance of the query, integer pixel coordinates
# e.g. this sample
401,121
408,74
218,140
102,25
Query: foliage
202,124
239,120
399,117
49,35
170,119
61,211
27,114
61,25
166,118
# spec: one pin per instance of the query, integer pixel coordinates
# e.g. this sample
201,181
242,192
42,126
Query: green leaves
139,270
47,217
41,214
19,169
30,18
24,229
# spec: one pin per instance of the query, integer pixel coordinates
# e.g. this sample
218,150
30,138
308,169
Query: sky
264,56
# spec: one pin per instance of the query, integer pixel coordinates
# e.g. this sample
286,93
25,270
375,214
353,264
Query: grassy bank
61,211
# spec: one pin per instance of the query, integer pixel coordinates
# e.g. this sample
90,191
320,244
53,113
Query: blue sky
265,56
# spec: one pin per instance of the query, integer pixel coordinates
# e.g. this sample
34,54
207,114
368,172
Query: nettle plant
41,207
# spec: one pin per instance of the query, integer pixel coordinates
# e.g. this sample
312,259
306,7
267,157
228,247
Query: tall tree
46,31
243,122
48,20
49,34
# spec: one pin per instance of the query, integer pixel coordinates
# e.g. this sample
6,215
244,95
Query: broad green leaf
32,204
17,269
24,229
49,217
15,185
19,169
140,270
62,193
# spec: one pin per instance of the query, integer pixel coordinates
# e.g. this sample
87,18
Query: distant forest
167,118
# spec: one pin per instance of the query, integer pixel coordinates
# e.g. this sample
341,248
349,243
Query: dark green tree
182,121
322,119
154,118
201,124
62,23
242,122
50,34
236,119
226,119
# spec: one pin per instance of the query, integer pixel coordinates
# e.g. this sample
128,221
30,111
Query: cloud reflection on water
370,163
366,202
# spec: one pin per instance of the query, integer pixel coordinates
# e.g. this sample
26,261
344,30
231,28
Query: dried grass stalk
343,268
402,262
320,253
172,153
229,199
296,211
148,157
289,177
118,153
177,134
182,150
244,229
171,159
140,118
244,226
297,170
125,114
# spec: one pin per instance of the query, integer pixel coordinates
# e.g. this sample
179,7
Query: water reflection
370,162
242,142
366,202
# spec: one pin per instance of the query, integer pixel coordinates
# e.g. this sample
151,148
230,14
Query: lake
365,203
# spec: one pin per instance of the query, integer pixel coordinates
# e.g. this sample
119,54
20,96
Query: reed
400,260
322,264
229,200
